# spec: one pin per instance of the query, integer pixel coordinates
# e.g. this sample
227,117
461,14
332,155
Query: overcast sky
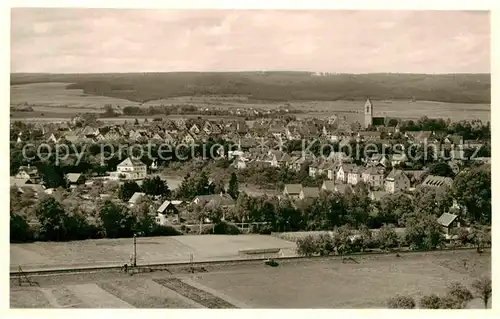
113,40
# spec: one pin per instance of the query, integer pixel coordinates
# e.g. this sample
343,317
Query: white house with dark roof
343,172
130,169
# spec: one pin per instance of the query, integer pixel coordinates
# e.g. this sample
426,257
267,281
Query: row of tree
457,296
345,240
471,190
114,221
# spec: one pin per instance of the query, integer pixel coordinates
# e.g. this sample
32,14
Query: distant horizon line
258,71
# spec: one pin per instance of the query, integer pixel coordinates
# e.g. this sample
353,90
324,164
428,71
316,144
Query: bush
401,302
225,228
430,302
387,237
463,235
20,231
160,230
221,228
458,293
307,246
324,244
261,229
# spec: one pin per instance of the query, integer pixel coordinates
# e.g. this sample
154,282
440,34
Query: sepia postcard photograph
250,159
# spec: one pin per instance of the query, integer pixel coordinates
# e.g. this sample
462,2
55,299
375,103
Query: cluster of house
395,181
168,211
247,133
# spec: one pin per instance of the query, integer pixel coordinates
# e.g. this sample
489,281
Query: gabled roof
395,173
135,197
347,168
372,170
293,188
167,203
131,162
215,200
73,177
446,219
437,181
328,185
310,192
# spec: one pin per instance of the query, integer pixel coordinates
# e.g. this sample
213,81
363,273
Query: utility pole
135,251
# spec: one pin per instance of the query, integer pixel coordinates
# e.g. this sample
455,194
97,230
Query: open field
101,252
298,283
47,98
56,95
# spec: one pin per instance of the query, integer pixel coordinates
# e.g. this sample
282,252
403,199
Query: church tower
368,114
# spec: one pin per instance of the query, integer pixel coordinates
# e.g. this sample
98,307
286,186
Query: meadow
298,283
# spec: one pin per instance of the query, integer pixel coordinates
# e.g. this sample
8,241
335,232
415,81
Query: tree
401,302
430,302
52,176
307,246
459,294
53,220
463,235
342,239
155,186
472,189
324,244
19,229
116,221
78,227
136,121
480,236
202,185
441,169
233,190
482,287
128,189
387,237
365,237
395,207
424,233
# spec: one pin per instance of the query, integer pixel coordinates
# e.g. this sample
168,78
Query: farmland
52,96
53,102
298,283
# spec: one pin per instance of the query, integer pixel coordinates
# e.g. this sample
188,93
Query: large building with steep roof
130,169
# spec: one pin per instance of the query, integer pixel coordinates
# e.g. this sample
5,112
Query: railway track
198,266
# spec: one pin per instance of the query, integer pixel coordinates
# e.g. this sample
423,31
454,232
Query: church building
370,120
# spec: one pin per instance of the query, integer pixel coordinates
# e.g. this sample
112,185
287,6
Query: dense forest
276,86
